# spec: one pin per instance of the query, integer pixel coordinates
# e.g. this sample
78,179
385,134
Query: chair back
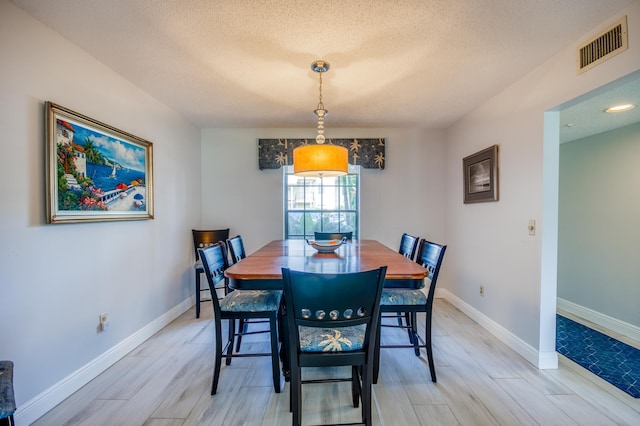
236,249
430,256
408,246
214,261
323,236
205,238
332,301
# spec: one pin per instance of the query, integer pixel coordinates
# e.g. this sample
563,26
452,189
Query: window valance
275,153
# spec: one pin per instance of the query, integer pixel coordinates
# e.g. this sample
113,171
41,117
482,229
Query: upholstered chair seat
400,296
7,398
251,301
343,339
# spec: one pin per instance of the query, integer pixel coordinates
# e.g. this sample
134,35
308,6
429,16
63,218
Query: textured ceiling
246,63
588,116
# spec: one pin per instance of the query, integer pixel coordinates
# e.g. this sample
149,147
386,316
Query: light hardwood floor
166,382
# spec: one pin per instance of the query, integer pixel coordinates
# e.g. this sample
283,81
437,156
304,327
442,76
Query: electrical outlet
481,290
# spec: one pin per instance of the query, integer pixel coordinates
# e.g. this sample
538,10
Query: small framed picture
95,172
481,176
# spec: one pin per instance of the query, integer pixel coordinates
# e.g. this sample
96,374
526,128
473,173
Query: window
329,204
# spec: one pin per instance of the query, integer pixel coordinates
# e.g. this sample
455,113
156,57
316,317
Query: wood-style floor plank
166,382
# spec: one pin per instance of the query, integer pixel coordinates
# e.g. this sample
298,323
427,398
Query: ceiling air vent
603,46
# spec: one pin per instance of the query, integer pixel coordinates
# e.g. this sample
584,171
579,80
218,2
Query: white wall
488,242
56,279
407,196
598,247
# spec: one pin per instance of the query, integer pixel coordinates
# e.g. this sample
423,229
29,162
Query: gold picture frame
95,172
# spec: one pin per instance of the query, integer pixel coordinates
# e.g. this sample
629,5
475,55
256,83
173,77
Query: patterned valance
368,153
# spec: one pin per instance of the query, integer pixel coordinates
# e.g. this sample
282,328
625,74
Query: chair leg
296,395
356,389
7,421
197,294
242,328
275,361
427,338
407,319
414,332
284,345
218,356
376,356
367,373
232,332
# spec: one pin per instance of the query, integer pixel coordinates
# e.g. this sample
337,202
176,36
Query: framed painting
95,172
481,176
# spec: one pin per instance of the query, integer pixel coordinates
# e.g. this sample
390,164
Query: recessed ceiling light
620,108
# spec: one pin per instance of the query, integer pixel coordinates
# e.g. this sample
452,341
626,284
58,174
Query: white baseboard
35,408
542,360
629,330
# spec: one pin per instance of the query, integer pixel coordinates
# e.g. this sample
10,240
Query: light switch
532,227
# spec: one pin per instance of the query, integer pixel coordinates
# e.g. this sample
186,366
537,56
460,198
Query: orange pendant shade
320,160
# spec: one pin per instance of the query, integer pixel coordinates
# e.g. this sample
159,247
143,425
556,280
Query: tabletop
358,255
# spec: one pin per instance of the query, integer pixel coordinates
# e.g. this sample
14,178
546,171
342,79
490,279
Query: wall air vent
603,46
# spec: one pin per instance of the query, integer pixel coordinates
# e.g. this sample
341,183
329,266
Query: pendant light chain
320,104
320,112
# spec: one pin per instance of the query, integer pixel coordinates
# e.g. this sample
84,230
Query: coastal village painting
98,175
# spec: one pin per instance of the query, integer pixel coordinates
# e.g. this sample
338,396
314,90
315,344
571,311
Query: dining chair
7,396
202,239
412,301
323,236
332,320
408,246
236,305
236,249
237,253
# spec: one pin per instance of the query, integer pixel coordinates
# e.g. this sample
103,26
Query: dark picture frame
480,175
95,172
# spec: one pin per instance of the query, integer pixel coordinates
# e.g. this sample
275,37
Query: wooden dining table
262,270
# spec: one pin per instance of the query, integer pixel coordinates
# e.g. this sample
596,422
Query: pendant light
320,159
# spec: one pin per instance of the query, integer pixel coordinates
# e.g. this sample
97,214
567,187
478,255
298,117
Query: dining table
262,270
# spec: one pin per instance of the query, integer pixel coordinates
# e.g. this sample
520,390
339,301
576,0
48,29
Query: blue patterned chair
7,399
237,253
202,239
408,247
410,301
332,320
239,305
236,249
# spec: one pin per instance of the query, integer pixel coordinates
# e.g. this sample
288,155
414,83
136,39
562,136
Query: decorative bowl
326,246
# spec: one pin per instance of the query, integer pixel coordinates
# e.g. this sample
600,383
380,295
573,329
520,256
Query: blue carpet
612,360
